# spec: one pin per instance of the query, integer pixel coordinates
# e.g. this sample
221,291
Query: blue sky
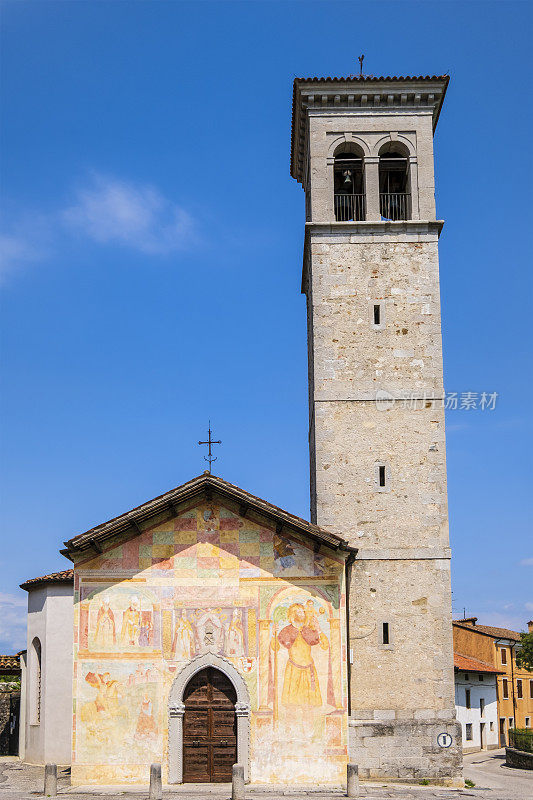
152,241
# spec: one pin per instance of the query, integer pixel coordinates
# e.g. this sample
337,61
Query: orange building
497,646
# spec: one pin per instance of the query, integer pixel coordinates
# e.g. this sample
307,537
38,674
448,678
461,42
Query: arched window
394,190
35,682
349,183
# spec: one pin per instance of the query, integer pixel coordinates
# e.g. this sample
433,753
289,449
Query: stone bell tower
362,148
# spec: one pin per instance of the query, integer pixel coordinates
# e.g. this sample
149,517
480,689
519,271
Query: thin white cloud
136,216
529,606
12,621
15,252
526,562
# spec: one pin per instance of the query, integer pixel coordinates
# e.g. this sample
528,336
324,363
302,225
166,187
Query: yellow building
497,646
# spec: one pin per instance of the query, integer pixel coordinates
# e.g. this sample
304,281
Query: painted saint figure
235,636
300,682
146,726
105,634
131,623
146,629
183,641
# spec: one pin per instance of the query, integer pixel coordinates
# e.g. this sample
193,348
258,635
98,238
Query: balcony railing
349,206
395,206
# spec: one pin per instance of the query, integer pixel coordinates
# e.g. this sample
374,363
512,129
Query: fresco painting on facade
209,581
305,695
121,702
118,619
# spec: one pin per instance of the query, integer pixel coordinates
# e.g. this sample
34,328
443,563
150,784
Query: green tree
524,654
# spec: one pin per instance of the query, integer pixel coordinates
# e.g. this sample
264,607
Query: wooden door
209,728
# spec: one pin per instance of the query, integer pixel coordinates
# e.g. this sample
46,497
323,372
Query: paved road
493,781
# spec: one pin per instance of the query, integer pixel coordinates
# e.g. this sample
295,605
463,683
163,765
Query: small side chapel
208,627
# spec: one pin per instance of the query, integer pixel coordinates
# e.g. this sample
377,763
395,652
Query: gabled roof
175,500
66,576
469,664
487,630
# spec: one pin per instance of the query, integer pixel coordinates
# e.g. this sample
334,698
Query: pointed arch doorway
209,728
208,696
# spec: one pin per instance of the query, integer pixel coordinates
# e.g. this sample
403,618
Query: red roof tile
9,662
66,576
469,664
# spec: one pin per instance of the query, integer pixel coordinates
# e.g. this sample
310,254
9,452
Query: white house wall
485,689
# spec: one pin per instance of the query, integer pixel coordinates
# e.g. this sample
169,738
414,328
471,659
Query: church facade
222,586
207,626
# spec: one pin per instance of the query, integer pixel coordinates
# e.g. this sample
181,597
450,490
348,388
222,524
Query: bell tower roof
359,94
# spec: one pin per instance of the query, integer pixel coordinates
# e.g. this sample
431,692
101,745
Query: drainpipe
498,709
347,580
512,679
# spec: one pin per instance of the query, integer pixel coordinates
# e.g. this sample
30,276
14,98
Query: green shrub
521,739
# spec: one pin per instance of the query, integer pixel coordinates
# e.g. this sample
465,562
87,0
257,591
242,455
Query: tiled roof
488,630
9,662
374,78
66,576
469,664
206,485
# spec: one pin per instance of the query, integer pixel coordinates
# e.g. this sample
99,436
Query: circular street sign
444,740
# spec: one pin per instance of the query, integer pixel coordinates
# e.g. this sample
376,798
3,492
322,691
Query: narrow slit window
468,731
385,633
35,682
481,706
503,653
505,689
519,692
382,476
467,698
377,314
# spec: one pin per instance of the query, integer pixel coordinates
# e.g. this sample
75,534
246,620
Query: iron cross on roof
210,457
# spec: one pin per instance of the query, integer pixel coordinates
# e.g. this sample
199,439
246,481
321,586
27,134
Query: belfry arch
176,711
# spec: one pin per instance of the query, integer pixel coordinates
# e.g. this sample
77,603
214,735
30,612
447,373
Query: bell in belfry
347,175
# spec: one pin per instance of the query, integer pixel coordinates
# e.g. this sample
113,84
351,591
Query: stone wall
518,758
9,720
405,749
376,399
